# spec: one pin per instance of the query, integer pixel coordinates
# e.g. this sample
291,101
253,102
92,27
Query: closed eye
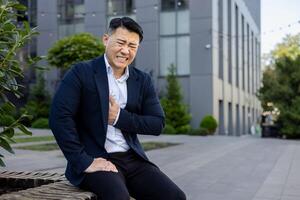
120,43
133,46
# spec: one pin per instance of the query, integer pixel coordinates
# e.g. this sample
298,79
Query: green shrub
73,49
38,101
169,129
40,123
183,129
199,131
209,123
36,109
6,120
177,114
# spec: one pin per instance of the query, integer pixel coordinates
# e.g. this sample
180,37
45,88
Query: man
98,110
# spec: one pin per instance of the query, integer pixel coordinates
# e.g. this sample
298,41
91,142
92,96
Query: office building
214,44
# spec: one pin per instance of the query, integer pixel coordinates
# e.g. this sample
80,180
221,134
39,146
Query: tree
281,85
289,47
13,37
39,100
266,92
73,49
283,90
176,112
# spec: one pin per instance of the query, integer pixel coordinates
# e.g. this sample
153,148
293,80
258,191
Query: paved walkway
208,168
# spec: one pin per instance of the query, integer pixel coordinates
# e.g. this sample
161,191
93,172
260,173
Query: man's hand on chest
114,110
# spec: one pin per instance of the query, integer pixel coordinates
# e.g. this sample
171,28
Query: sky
276,15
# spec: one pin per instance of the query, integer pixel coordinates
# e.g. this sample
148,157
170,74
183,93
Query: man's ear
105,38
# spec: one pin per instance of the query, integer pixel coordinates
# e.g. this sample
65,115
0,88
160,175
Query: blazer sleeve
151,120
62,121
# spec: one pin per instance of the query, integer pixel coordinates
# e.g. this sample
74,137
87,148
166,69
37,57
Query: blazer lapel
103,90
131,89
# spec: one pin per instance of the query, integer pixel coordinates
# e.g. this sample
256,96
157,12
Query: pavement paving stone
207,168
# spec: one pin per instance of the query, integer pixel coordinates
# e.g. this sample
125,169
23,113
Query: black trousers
136,177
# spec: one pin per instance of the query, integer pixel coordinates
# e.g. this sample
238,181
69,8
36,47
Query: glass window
175,39
179,58
248,57
32,12
115,7
183,55
243,52
167,54
70,17
220,38
129,7
182,4
174,17
167,23
120,8
229,41
70,11
183,18
167,5
237,45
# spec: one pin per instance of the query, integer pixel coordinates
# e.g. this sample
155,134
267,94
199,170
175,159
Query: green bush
184,129
209,123
169,129
177,114
6,120
40,123
38,103
199,131
73,49
36,109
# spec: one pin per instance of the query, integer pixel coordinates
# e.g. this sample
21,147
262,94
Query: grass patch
19,134
157,145
40,147
53,146
34,139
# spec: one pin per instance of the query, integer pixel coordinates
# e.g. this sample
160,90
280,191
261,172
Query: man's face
121,48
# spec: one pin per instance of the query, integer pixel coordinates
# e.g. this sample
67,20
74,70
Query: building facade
214,45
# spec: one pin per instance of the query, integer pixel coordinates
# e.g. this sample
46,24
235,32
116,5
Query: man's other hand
114,109
101,164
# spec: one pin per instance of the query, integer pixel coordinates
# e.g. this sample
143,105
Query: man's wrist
117,118
89,169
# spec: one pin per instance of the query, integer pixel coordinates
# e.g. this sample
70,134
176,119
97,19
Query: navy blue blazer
79,114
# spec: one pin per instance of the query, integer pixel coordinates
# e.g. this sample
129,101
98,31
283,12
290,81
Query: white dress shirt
115,141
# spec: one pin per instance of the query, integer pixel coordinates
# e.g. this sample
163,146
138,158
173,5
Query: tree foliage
209,123
39,100
289,47
281,86
73,49
266,92
176,112
13,36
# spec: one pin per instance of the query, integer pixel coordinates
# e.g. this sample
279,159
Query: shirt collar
109,70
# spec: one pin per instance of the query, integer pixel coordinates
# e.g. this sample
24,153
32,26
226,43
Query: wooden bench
38,186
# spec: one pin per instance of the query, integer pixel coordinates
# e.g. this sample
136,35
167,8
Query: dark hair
127,23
